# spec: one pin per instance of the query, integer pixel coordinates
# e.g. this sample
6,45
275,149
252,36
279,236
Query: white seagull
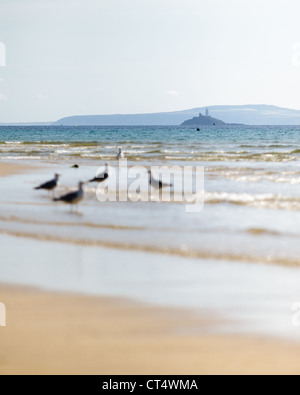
120,154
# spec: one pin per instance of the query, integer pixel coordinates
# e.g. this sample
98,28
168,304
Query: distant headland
252,114
242,114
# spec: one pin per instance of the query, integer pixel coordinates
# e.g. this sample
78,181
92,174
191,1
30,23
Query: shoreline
56,333
41,227
54,328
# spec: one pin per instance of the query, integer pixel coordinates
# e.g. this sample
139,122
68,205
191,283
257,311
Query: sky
85,57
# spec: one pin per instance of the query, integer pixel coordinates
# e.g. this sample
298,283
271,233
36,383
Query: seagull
102,176
73,197
50,185
120,154
157,183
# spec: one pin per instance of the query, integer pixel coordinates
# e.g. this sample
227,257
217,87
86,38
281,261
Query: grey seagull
157,183
72,197
50,185
102,176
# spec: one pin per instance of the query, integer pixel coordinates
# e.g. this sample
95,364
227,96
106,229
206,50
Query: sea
238,258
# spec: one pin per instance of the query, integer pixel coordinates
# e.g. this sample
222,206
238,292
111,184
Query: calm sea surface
226,144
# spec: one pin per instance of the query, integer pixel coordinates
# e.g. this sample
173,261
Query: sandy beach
73,334
56,332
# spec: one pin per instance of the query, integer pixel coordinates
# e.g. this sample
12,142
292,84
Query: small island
203,120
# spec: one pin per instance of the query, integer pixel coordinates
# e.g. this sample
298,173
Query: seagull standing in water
50,185
157,183
102,176
120,154
73,197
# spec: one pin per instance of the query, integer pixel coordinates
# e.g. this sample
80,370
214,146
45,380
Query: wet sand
8,169
72,334
58,333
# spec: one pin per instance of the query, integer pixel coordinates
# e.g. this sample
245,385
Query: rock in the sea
203,121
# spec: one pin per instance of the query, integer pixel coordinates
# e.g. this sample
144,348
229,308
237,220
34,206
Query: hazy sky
67,57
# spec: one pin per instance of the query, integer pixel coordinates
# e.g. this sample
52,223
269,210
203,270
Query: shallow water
226,229
245,298
221,144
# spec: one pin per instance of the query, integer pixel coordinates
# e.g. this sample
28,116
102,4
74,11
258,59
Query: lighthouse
207,113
